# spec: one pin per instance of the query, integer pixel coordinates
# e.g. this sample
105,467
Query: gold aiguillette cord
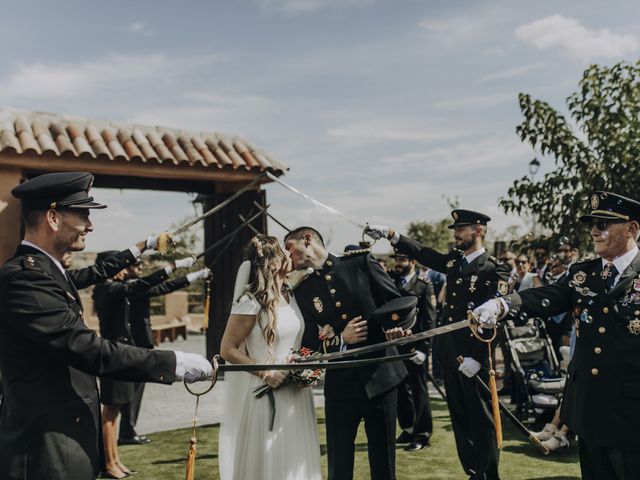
191,455
495,406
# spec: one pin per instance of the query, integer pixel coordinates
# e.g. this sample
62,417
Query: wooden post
225,269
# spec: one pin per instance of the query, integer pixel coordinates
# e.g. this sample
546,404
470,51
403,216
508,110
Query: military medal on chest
634,326
317,303
472,284
606,271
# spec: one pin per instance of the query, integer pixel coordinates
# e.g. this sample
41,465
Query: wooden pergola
130,156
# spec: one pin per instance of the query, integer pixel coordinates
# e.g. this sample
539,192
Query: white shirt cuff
505,305
395,238
169,270
343,346
181,369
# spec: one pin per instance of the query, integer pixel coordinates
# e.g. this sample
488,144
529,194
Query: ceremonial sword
314,201
409,339
165,242
230,234
311,365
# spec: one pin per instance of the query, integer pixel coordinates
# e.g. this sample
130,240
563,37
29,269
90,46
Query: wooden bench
168,331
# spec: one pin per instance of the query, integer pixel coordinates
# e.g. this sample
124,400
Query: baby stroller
538,382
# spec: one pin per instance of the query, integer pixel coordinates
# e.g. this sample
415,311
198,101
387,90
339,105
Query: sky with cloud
381,108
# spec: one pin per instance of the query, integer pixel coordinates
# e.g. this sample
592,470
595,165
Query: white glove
377,231
469,367
418,357
488,314
200,274
185,262
192,367
152,242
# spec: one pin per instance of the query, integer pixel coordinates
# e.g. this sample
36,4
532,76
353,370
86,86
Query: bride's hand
326,332
274,378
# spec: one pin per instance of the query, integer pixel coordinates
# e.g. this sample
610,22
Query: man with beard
414,411
472,278
50,421
344,292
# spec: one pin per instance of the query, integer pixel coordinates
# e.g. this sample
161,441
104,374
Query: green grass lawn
164,458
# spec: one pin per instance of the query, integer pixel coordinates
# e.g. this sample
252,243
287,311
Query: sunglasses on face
603,225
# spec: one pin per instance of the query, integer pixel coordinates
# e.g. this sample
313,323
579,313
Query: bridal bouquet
302,378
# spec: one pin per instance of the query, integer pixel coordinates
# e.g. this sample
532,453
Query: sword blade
230,234
220,206
354,352
314,201
312,365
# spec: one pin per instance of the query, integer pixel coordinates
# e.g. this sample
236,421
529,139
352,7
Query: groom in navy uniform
344,292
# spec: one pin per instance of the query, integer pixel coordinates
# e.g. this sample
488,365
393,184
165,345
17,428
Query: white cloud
308,6
512,72
114,73
468,156
479,101
140,28
576,40
376,131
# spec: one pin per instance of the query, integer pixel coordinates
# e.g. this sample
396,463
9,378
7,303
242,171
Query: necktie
402,282
609,273
463,263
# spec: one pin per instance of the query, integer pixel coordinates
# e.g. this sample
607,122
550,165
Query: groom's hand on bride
355,331
273,378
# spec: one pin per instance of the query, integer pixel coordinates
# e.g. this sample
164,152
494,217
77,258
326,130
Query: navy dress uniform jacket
467,287
426,318
602,397
49,359
140,309
346,287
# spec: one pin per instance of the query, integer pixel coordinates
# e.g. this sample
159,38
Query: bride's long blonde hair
268,260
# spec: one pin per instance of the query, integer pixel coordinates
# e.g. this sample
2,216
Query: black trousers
414,411
342,420
472,422
600,463
129,414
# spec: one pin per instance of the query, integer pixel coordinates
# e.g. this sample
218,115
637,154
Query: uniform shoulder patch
495,260
29,262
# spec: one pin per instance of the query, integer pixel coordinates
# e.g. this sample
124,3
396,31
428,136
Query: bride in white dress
264,325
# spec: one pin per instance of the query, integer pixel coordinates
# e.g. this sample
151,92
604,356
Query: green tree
435,234
597,149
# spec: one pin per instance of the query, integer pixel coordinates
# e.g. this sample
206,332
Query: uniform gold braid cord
192,453
495,405
207,305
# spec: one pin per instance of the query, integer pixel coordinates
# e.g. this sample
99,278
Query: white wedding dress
247,449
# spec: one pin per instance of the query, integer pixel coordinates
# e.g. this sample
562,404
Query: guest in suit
344,292
414,411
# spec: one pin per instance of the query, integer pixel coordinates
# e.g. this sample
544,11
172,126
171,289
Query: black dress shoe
137,440
418,443
404,438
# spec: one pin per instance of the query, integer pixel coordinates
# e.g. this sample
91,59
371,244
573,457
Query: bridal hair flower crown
258,246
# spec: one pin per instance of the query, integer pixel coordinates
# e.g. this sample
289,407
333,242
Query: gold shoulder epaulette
351,253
